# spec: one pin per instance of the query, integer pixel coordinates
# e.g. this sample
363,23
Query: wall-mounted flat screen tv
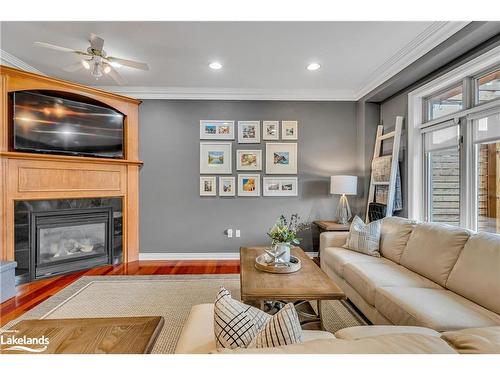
49,124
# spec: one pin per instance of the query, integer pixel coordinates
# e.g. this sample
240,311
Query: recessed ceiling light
313,66
215,65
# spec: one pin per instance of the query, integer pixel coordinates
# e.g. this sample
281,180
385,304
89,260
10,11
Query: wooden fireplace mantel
31,176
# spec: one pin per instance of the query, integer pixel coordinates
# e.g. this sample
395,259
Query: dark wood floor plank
32,294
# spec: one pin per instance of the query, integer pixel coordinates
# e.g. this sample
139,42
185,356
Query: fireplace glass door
69,240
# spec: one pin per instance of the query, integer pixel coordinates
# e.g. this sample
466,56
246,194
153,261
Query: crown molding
204,93
428,39
11,60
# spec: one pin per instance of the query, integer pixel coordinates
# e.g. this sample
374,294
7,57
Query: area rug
169,296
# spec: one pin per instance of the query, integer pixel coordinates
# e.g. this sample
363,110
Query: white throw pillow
282,329
236,324
364,238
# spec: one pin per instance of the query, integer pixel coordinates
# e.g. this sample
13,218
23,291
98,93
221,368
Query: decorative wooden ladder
391,184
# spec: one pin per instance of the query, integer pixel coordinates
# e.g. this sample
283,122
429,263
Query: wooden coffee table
310,283
127,335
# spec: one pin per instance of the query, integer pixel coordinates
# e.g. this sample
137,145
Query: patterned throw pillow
282,329
236,324
364,238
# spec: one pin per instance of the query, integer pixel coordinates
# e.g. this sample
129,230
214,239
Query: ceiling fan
96,60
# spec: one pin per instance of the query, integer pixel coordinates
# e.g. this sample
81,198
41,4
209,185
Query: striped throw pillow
364,238
282,329
236,324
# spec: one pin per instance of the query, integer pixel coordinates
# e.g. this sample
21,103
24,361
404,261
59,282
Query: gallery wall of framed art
259,146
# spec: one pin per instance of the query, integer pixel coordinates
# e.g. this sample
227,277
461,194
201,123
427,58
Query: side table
321,226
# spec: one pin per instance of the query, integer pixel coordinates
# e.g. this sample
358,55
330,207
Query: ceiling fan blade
73,67
96,43
116,76
59,48
129,63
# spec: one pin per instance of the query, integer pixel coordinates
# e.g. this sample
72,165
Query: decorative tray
262,263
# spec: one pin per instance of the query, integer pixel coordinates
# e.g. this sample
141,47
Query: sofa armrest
332,239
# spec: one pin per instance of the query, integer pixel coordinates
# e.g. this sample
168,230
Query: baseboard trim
197,256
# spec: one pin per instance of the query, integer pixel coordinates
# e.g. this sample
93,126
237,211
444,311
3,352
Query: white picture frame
216,158
227,186
281,158
289,130
248,179
271,130
248,131
249,160
280,187
208,186
217,129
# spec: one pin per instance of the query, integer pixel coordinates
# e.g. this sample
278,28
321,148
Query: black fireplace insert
69,240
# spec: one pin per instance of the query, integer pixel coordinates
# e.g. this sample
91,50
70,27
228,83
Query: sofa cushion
282,329
476,275
364,238
197,335
394,234
474,340
362,332
365,278
402,343
236,324
337,258
439,309
433,250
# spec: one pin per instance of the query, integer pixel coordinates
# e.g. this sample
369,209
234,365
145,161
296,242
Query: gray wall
175,219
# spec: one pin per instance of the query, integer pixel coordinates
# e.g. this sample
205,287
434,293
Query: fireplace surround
58,236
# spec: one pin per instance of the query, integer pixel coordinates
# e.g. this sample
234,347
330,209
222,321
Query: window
443,175
444,103
454,146
486,139
488,87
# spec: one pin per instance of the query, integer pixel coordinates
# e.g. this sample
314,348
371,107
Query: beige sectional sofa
430,275
197,337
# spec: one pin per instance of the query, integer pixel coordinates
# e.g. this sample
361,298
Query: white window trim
415,162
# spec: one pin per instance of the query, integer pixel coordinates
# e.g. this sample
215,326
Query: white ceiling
261,59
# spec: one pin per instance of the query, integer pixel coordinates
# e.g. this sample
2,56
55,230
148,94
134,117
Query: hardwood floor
31,294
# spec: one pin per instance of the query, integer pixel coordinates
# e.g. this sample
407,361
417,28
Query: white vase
283,248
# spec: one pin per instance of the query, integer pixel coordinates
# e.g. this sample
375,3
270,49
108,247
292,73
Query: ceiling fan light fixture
85,64
96,70
106,69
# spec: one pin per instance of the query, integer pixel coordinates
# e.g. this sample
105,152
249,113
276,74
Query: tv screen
49,124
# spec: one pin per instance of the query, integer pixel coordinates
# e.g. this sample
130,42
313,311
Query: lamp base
343,210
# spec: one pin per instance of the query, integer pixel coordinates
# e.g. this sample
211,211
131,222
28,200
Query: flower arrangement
285,232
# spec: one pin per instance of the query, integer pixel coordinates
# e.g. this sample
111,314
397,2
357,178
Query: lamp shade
344,185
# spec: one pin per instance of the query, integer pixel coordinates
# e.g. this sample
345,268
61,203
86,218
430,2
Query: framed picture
208,186
281,158
249,160
280,186
248,131
270,130
289,130
249,185
227,187
216,129
215,158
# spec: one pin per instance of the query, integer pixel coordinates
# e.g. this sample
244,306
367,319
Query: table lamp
343,185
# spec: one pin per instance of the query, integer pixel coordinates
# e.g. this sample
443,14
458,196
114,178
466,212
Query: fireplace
70,240
60,236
